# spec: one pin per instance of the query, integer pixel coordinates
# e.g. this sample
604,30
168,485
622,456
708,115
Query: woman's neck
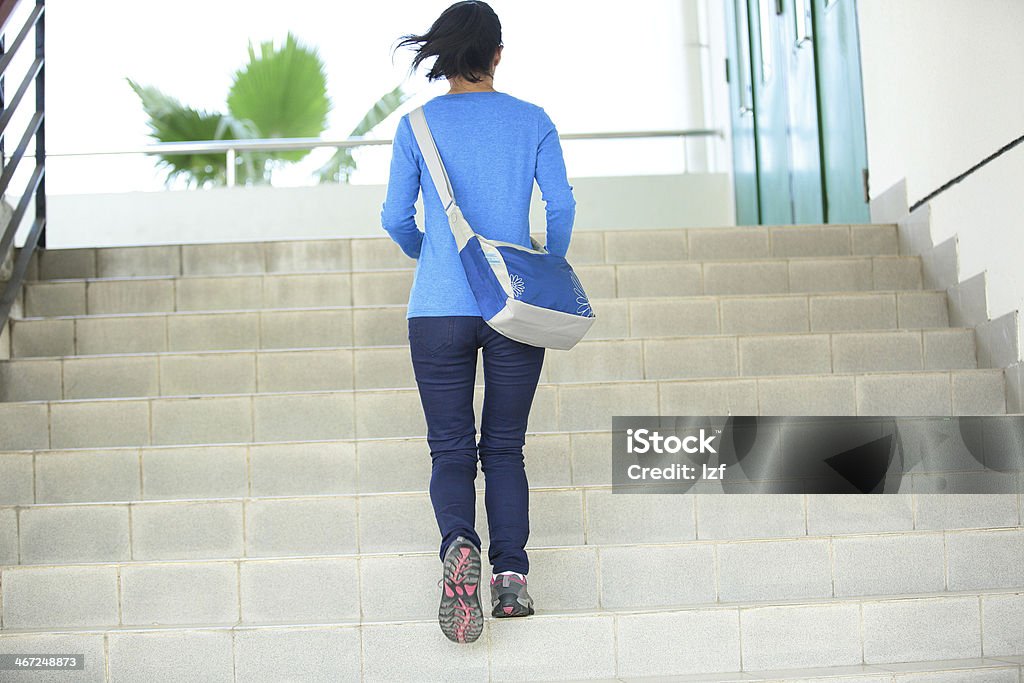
457,86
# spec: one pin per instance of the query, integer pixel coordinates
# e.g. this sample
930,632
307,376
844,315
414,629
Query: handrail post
231,167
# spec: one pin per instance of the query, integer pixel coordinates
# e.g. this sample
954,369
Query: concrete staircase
213,468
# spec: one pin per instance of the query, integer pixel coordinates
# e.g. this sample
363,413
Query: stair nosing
411,268
606,299
24,452
579,547
379,235
598,612
889,331
481,385
352,439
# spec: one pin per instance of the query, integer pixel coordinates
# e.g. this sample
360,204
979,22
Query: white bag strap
460,229
432,157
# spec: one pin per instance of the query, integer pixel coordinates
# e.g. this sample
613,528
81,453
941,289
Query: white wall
942,86
987,212
942,90
554,56
266,213
717,106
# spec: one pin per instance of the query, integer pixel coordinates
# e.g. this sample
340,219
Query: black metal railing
990,158
34,194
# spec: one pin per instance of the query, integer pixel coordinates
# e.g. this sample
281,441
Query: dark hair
464,39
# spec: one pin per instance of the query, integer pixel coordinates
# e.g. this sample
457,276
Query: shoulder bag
525,293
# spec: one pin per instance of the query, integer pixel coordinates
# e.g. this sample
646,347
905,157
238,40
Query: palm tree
171,121
283,94
279,93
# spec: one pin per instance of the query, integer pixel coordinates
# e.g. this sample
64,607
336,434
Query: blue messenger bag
526,294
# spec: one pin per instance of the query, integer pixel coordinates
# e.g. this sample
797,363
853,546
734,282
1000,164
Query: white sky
593,66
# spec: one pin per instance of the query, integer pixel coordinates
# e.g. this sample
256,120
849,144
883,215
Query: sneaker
509,597
460,615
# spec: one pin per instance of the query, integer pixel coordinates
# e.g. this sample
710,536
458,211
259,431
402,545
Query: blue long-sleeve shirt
493,145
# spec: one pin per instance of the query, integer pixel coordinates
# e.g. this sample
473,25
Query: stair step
384,367
587,246
329,524
398,586
616,574
391,286
387,324
781,311
333,288
384,465
782,643
565,406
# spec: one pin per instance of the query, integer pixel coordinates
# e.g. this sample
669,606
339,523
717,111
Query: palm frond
172,121
282,93
341,165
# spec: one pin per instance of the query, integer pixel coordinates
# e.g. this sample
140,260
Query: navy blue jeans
444,354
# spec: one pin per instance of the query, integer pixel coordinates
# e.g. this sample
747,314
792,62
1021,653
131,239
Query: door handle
804,30
744,77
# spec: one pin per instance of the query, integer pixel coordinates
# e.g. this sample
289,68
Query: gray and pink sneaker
509,597
460,615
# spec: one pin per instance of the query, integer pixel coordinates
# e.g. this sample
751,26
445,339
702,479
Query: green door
744,153
841,111
804,146
771,112
801,154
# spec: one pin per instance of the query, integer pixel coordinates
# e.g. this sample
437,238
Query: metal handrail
231,148
950,183
291,144
35,189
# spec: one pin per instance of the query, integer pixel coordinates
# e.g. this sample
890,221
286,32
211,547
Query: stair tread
410,268
582,547
887,331
411,492
730,378
584,613
671,298
228,444
759,228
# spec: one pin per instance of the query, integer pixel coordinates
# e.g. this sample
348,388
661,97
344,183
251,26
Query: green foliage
283,92
171,121
341,165
279,93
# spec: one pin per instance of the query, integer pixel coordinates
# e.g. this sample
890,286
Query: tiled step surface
328,524
386,324
564,406
708,356
609,567
261,491
392,465
871,640
391,286
272,585
404,522
586,247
